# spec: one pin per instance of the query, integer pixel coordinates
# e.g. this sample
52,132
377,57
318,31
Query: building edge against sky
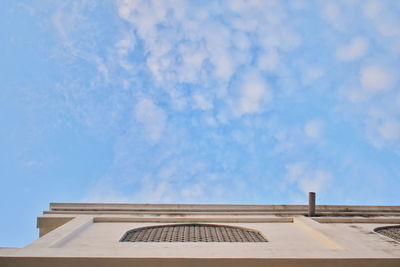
101,234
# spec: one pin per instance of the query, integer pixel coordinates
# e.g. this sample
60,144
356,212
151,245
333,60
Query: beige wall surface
302,238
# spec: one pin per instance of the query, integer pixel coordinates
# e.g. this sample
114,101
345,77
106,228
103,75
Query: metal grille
192,233
390,231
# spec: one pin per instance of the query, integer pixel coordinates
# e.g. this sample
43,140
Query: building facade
82,234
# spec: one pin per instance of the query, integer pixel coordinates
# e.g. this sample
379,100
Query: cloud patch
254,93
375,79
389,130
152,117
356,49
202,102
306,178
314,129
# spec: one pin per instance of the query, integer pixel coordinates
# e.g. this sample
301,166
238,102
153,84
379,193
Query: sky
250,102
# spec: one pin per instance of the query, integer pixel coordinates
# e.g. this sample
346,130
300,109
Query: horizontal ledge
170,207
214,207
43,261
192,220
355,220
184,213
178,213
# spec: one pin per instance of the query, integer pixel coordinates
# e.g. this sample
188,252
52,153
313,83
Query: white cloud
101,67
193,191
71,22
190,45
254,94
294,171
372,8
210,121
269,61
124,46
193,56
315,182
218,46
202,102
356,49
315,73
152,117
388,26
32,163
179,102
389,130
27,8
314,129
311,75
104,192
156,192
289,39
331,12
382,130
299,4
383,17
306,178
145,15
375,79
241,41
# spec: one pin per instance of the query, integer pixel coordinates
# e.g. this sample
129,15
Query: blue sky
254,102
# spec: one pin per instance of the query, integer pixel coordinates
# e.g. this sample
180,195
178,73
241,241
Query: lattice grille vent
192,233
390,231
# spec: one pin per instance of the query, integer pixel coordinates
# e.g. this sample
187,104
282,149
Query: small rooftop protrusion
311,204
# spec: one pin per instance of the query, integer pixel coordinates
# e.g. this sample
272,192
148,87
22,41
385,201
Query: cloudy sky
254,102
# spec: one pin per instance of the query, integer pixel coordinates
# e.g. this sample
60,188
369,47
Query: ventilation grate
192,233
390,231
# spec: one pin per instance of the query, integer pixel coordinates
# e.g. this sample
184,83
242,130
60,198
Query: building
213,235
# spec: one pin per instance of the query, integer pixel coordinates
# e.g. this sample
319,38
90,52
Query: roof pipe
311,204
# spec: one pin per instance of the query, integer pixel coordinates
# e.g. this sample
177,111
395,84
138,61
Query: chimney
311,204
